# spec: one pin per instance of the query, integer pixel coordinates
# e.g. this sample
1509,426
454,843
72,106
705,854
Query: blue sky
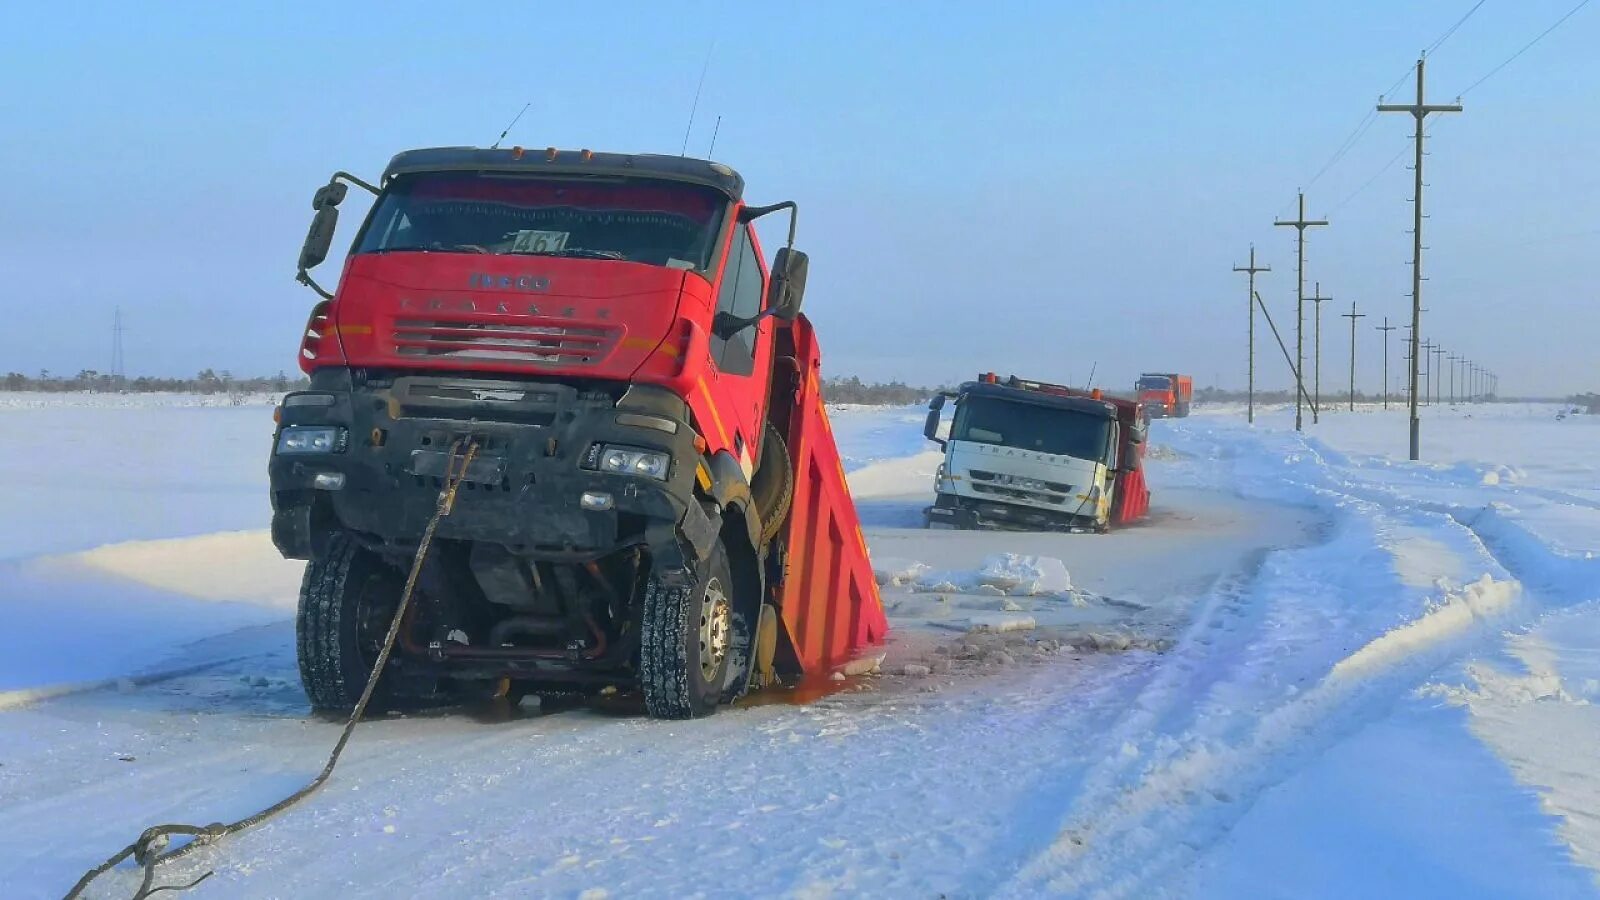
1030,187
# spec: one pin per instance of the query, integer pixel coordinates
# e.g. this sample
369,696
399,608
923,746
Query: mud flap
765,663
676,550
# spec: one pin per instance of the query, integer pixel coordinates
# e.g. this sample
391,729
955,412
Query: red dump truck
1165,394
655,502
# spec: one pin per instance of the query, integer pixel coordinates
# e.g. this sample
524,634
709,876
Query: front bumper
961,512
523,488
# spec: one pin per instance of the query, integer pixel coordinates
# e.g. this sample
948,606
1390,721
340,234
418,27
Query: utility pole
1316,341
1409,346
117,365
1385,328
1352,316
1427,373
1453,360
1250,408
1300,225
1419,111
1438,378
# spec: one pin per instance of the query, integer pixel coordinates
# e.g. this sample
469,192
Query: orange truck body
1165,394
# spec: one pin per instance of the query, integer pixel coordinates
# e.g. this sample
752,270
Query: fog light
595,501
328,481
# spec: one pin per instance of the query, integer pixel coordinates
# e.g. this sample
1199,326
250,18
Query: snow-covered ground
1318,670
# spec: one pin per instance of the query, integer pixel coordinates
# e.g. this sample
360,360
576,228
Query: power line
1459,22
1369,182
1365,124
1360,131
1354,138
1401,80
1386,166
1525,47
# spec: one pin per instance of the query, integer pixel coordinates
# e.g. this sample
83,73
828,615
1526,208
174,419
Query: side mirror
930,428
786,284
320,236
330,194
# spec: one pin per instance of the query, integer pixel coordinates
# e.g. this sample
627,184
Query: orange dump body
830,609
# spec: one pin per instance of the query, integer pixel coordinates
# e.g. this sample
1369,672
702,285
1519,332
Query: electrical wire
1459,22
1369,182
1525,47
1363,126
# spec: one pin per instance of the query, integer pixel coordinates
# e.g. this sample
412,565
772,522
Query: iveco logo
484,281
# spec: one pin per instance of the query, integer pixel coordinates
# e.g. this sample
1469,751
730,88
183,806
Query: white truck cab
1022,458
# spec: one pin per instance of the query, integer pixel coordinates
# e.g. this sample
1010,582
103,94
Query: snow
1318,670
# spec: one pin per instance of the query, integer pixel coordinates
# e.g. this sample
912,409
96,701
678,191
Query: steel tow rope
149,850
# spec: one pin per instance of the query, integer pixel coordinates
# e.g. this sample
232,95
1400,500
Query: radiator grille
554,344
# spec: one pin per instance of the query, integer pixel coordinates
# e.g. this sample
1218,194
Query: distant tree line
206,382
854,390
1589,401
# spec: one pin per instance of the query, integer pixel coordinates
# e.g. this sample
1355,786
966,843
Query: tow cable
149,850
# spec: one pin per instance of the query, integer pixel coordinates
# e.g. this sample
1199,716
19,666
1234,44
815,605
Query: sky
1039,188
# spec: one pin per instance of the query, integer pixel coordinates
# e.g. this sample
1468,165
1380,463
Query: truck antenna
496,144
1090,383
711,149
684,151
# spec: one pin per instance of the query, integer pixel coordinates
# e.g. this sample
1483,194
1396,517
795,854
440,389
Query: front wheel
347,600
686,642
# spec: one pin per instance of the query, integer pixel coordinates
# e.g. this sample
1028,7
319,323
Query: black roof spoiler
1003,391
569,162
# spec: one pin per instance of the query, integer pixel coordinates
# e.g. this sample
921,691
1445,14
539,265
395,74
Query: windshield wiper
572,252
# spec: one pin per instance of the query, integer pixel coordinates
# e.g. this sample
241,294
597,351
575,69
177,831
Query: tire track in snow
1137,839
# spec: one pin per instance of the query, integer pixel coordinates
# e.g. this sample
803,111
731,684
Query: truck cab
603,331
1021,456
1165,394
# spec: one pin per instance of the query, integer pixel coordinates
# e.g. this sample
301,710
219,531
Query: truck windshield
636,220
1027,426
1153,383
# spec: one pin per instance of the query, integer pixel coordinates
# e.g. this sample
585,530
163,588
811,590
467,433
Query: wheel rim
716,623
373,617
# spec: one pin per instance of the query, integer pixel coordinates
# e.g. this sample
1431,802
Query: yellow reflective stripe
716,419
641,343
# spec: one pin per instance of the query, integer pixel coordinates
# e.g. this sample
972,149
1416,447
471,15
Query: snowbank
1004,574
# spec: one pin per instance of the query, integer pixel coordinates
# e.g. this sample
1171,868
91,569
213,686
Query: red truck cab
604,329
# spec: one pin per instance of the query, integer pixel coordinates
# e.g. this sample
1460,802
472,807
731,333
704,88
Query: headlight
311,439
630,461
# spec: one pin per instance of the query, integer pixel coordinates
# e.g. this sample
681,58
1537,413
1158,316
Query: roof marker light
587,154
550,154
516,152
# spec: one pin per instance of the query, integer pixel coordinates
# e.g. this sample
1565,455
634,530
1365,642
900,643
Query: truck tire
347,600
772,489
684,650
